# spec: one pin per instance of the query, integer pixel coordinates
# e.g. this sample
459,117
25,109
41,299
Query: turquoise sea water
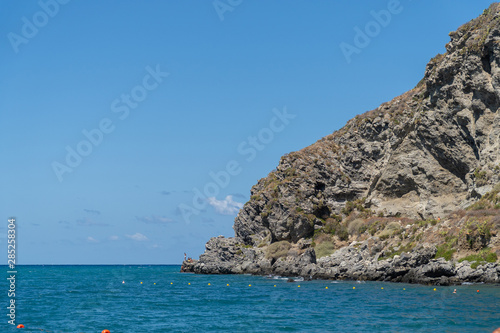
93,298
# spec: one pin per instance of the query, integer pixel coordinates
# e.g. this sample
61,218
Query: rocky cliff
361,197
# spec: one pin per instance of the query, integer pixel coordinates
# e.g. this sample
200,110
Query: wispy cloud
66,224
114,238
92,211
179,212
225,207
154,219
89,222
92,240
137,237
165,192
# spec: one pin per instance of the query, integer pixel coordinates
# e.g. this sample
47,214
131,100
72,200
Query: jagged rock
426,153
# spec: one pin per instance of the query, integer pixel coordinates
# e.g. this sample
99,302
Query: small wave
471,283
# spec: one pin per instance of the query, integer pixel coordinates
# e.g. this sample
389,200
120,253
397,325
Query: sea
135,298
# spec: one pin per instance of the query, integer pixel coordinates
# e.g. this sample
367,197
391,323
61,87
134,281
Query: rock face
358,261
426,153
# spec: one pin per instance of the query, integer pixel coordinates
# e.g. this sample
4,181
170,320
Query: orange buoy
20,326
106,331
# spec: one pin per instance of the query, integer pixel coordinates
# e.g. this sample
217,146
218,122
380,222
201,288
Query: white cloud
225,207
137,237
113,238
154,219
92,240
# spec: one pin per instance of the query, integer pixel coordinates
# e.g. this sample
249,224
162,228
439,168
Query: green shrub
324,249
358,205
342,233
480,258
354,226
480,205
389,230
277,250
444,251
374,227
491,257
475,234
334,227
393,226
481,177
384,236
475,264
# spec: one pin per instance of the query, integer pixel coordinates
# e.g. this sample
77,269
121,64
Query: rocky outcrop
358,261
423,155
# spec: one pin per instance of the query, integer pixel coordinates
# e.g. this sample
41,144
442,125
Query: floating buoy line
209,284
274,285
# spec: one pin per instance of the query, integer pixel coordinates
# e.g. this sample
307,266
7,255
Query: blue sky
116,115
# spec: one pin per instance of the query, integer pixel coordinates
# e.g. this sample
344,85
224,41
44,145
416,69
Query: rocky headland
408,192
